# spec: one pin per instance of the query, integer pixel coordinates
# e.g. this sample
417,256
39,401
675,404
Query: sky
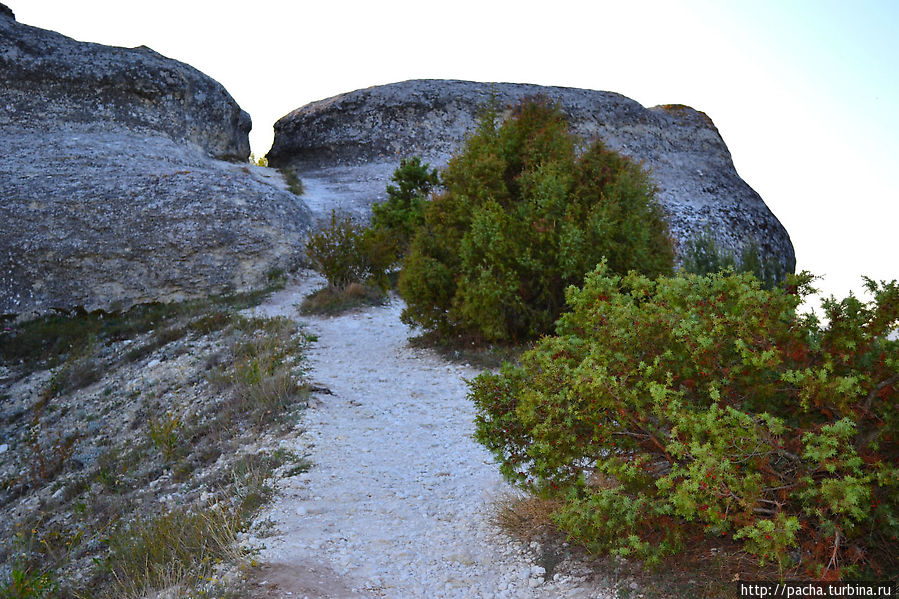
805,93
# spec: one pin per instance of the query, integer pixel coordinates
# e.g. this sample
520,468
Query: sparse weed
26,584
262,377
165,433
524,515
294,183
250,477
172,451
215,320
48,456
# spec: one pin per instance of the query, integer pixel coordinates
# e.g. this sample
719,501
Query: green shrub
403,212
344,252
521,217
702,256
166,434
680,406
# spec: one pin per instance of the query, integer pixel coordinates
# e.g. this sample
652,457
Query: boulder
345,148
112,189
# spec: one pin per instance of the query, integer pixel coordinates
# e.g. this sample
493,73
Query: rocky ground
135,449
400,499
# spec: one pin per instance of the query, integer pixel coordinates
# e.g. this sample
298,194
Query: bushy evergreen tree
523,215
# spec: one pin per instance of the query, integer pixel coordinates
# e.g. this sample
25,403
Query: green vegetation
403,214
262,376
261,161
328,300
340,252
294,183
522,216
48,341
703,256
178,549
670,410
354,260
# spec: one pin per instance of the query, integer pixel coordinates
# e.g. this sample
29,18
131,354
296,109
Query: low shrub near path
670,410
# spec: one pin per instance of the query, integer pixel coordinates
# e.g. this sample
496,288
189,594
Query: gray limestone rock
50,77
110,190
348,146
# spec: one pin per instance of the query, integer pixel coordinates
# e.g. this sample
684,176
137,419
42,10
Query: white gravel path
397,501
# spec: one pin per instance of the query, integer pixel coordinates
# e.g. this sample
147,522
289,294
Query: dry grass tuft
525,516
180,548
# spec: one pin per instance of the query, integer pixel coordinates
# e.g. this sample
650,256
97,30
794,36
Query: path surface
397,502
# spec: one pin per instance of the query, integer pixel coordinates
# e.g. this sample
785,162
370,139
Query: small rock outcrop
348,146
113,190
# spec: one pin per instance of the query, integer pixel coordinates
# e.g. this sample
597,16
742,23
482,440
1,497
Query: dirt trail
397,502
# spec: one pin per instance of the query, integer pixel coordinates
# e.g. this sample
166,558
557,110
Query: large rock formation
348,146
48,76
110,191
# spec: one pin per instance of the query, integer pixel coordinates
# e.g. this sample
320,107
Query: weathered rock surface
110,193
348,146
48,76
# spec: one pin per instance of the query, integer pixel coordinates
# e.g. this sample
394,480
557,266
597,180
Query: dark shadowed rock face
110,194
348,145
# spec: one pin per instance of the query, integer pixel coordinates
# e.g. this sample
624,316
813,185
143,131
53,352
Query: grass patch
294,183
178,549
329,300
48,341
81,369
160,339
262,379
524,516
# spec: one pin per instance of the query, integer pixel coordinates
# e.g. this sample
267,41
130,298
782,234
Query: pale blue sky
804,93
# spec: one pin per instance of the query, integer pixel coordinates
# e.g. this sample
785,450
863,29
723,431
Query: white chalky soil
397,502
